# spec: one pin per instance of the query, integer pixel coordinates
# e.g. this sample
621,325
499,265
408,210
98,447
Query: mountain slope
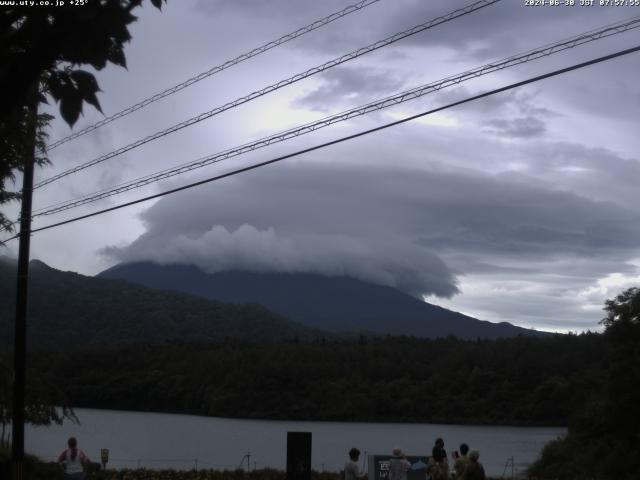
337,304
67,309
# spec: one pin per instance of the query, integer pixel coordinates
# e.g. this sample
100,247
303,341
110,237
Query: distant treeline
518,381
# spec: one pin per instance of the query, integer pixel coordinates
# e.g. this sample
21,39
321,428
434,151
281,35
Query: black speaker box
298,455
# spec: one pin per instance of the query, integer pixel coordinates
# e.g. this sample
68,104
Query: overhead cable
343,139
276,86
217,69
399,98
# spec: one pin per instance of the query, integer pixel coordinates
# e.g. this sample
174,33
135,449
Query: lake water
155,440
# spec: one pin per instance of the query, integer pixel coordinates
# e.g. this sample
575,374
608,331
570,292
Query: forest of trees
520,381
603,441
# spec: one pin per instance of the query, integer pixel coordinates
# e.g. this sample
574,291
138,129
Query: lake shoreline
158,440
320,420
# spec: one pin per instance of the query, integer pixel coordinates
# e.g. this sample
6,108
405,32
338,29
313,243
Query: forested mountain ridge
68,309
336,304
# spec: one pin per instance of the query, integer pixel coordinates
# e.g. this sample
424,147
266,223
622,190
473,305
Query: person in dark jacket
439,468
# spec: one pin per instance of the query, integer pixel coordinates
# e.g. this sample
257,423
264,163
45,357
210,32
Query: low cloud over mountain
408,229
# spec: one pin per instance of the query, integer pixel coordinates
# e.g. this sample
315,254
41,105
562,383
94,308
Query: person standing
398,465
73,461
351,471
440,466
461,462
474,469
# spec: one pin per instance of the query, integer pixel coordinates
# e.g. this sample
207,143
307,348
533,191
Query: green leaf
55,85
84,78
116,56
71,106
87,86
92,99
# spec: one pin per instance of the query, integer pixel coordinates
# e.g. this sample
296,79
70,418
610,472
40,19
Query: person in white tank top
73,461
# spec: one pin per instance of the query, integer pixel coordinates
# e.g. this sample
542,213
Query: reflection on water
156,440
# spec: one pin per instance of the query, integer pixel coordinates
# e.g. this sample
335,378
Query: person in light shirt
351,471
398,465
73,461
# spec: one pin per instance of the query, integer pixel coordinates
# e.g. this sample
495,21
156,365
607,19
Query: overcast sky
521,207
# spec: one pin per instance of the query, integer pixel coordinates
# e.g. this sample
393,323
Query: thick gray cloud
497,30
387,261
513,114
597,173
284,10
521,127
405,228
491,32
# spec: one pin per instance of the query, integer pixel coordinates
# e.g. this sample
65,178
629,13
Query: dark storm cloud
516,219
349,86
513,103
384,225
472,263
597,173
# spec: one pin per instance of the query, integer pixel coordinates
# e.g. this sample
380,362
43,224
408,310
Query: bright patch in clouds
606,288
433,120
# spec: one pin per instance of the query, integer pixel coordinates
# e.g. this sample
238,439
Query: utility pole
20,334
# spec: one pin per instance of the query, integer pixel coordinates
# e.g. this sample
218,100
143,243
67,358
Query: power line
408,95
217,69
343,139
276,86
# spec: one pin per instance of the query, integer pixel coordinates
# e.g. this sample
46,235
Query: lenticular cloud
392,262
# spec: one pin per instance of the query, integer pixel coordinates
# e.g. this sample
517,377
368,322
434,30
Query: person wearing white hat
474,470
398,465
